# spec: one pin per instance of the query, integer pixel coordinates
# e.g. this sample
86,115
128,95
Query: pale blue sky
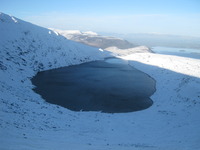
181,17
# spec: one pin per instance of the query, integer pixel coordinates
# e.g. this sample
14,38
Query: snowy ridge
128,51
76,32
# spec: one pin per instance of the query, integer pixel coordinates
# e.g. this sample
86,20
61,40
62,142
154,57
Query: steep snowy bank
26,49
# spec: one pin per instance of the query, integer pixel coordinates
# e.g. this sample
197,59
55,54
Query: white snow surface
27,122
75,32
70,33
90,33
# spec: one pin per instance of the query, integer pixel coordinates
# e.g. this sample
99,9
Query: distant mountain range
164,40
113,41
113,44
93,39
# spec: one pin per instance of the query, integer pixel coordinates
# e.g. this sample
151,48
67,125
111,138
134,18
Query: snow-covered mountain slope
27,122
26,49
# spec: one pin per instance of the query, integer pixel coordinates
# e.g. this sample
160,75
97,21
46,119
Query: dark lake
110,86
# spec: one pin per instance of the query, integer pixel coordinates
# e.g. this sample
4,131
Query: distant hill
93,39
116,45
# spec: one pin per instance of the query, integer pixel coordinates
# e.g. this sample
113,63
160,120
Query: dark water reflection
110,86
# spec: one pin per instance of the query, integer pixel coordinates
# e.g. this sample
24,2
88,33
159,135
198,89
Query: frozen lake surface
110,86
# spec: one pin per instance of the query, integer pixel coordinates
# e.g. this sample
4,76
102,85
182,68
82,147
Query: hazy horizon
174,17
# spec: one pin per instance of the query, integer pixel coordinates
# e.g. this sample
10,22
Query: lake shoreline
134,87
